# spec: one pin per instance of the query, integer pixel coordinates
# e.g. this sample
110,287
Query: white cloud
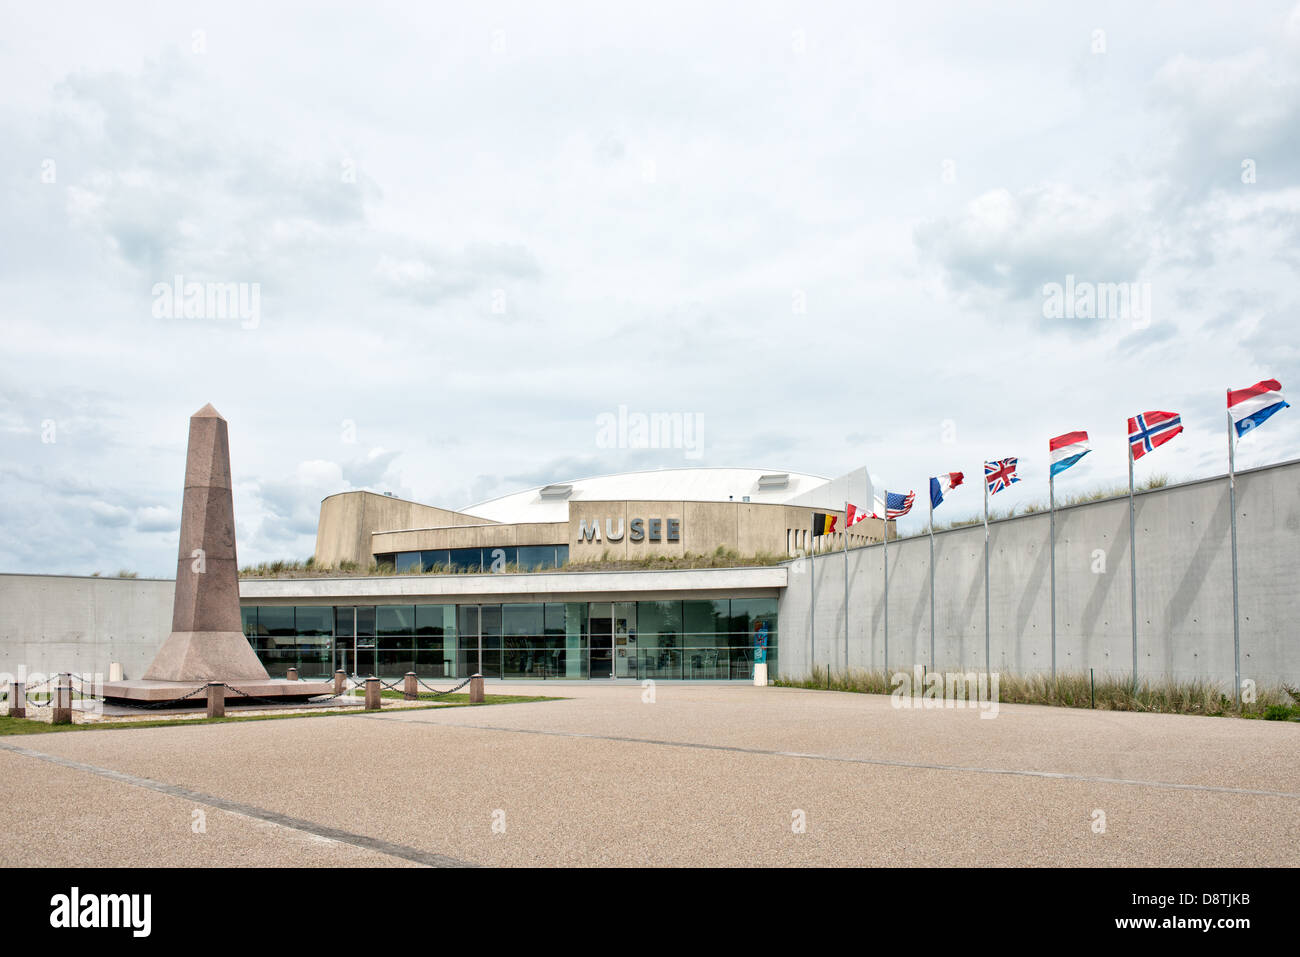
470,251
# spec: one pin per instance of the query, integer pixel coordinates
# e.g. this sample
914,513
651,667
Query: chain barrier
396,686
87,695
162,704
347,691
448,691
321,699
252,697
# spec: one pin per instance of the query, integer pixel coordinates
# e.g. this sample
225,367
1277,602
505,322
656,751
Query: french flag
943,483
1251,406
1065,450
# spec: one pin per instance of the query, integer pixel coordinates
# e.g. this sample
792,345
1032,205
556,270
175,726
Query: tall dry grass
1080,690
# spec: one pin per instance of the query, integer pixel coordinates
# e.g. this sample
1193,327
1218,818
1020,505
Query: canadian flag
853,515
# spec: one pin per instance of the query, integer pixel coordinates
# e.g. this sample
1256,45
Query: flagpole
886,564
812,604
846,587
931,580
988,658
1051,509
1132,566
1232,506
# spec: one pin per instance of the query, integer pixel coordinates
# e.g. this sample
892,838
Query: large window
696,638
487,559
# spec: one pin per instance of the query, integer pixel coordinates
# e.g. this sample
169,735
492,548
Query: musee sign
638,530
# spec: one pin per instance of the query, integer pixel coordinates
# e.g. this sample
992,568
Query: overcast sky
823,232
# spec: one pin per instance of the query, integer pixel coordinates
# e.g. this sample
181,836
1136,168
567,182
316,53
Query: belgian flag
823,524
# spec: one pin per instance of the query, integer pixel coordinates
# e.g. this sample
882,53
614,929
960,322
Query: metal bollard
340,679
18,699
408,691
372,694
292,674
476,689
216,699
61,713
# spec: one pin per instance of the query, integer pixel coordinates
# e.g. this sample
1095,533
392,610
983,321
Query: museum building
500,587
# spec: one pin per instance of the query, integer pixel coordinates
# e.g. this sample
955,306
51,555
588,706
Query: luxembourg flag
1251,406
943,483
1065,450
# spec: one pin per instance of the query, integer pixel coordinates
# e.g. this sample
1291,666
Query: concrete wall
348,520
60,623
1184,590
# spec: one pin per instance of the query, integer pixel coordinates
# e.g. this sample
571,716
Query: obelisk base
155,692
205,656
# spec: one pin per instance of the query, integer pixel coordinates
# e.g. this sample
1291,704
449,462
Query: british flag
999,474
1149,430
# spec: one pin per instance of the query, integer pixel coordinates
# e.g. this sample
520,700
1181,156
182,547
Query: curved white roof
550,503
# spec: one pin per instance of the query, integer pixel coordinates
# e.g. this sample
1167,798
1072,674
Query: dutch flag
1251,406
1065,450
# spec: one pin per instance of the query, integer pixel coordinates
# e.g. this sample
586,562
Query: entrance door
366,655
469,640
625,639
600,630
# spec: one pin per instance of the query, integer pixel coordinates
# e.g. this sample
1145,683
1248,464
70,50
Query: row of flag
1147,431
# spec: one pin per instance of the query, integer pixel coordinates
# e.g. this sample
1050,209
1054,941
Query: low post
408,691
18,699
62,710
292,674
340,679
476,689
372,694
216,699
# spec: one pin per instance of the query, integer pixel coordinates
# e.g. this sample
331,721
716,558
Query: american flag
1152,429
897,504
1000,474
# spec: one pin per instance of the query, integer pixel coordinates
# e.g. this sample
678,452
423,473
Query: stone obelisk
207,638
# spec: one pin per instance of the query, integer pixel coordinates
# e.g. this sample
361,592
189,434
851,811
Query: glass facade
713,638
523,558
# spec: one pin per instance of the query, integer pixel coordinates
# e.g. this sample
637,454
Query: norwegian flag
1150,430
999,474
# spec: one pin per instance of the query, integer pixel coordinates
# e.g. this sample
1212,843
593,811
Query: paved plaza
707,774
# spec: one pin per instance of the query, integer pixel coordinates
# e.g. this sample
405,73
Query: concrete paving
707,774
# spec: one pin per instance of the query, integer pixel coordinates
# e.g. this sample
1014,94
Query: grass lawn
460,698
10,725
